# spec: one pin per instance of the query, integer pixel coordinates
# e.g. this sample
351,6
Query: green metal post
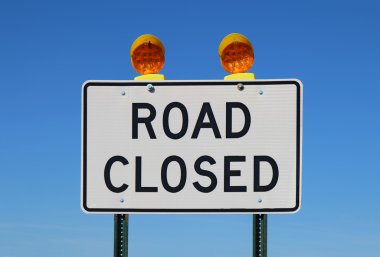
260,232
121,235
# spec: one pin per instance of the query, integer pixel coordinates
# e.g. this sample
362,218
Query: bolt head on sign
192,146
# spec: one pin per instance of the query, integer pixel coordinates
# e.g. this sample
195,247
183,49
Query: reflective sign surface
191,146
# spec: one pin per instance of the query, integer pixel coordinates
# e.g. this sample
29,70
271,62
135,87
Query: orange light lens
237,57
148,59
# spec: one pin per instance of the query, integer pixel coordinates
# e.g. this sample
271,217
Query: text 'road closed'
203,164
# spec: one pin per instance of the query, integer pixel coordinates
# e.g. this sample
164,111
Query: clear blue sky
49,48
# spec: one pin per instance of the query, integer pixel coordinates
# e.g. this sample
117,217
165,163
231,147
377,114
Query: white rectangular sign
191,146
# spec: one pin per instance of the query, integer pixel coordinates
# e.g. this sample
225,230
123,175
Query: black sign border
189,83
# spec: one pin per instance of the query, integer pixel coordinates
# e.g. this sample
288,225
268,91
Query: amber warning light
147,54
236,53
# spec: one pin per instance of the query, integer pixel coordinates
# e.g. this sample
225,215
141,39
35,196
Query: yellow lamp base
240,76
151,77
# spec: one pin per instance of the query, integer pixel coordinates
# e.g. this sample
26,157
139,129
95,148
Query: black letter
206,109
228,173
107,174
140,188
256,172
207,173
164,174
247,123
185,120
148,120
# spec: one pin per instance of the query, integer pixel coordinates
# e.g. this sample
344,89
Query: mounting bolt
123,93
261,92
240,86
150,88
260,200
122,200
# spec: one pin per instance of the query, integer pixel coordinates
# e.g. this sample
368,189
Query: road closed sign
191,146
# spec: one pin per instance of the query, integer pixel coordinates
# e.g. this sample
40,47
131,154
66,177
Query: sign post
121,235
260,232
